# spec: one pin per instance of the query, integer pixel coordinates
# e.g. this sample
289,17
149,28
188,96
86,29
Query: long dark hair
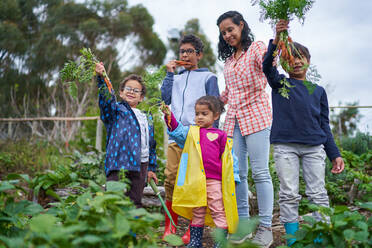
224,49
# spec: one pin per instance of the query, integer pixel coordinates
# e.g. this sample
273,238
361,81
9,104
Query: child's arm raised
169,118
271,72
107,100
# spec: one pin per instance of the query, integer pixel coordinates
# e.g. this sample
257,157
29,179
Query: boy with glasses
181,92
130,143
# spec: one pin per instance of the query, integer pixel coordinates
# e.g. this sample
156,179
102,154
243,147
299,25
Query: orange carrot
108,84
182,63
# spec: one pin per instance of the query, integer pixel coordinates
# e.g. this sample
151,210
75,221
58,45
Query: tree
345,122
38,36
193,27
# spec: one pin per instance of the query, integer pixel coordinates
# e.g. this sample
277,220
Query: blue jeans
257,147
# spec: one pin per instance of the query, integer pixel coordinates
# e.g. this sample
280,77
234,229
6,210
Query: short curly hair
194,40
135,77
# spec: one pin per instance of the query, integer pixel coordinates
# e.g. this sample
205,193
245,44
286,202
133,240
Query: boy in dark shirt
300,131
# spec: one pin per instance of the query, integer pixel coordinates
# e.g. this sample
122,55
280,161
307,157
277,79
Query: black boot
196,235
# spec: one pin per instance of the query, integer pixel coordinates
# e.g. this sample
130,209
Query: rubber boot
196,235
291,228
169,228
186,236
318,239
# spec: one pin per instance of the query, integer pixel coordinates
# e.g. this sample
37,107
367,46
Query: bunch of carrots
82,71
275,10
284,50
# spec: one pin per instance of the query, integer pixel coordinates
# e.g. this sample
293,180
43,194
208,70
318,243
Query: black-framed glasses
187,51
132,90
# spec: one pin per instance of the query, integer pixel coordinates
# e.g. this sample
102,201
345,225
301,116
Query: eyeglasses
187,51
133,90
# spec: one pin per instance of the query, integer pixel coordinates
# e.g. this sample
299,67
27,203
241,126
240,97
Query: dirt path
278,232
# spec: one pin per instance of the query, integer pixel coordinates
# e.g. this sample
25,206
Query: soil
277,228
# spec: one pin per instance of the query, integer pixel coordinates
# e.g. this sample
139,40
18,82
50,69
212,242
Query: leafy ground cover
65,201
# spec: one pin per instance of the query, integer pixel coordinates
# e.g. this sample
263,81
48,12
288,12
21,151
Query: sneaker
243,232
264,237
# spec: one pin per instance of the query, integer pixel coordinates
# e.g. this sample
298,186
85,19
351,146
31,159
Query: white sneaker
264,237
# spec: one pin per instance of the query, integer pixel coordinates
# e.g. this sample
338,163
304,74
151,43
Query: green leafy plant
153,78
15,212
340,227
354,183
82,71
90,218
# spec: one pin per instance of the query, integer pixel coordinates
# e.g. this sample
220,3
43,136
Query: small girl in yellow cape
205,186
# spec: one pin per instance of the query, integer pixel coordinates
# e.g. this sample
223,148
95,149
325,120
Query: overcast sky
338,34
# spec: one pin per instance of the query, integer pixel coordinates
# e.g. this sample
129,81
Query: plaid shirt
245,92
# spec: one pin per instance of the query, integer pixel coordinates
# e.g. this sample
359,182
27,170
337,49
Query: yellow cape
190,187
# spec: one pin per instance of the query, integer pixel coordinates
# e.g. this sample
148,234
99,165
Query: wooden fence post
99,135
9,130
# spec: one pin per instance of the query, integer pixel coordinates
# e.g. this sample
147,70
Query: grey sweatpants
288,158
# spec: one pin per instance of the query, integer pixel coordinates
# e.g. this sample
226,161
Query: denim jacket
123,141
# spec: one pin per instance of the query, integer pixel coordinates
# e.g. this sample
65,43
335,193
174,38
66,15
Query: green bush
354,183
340,228
91,218
361,143
30,157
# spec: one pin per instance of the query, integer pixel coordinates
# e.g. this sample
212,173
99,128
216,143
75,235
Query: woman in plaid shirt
248,119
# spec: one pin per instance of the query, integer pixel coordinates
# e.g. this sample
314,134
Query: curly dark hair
224,49
214,104
194,40
135,77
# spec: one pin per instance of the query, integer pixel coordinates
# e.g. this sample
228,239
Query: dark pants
137,183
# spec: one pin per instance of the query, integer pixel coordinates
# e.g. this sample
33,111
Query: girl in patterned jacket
248,119
130,142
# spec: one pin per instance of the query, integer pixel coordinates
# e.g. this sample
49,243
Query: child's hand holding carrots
100,68
167,113
171,66
281,26
101,71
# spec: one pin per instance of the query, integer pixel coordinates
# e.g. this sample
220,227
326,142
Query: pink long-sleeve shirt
212,144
